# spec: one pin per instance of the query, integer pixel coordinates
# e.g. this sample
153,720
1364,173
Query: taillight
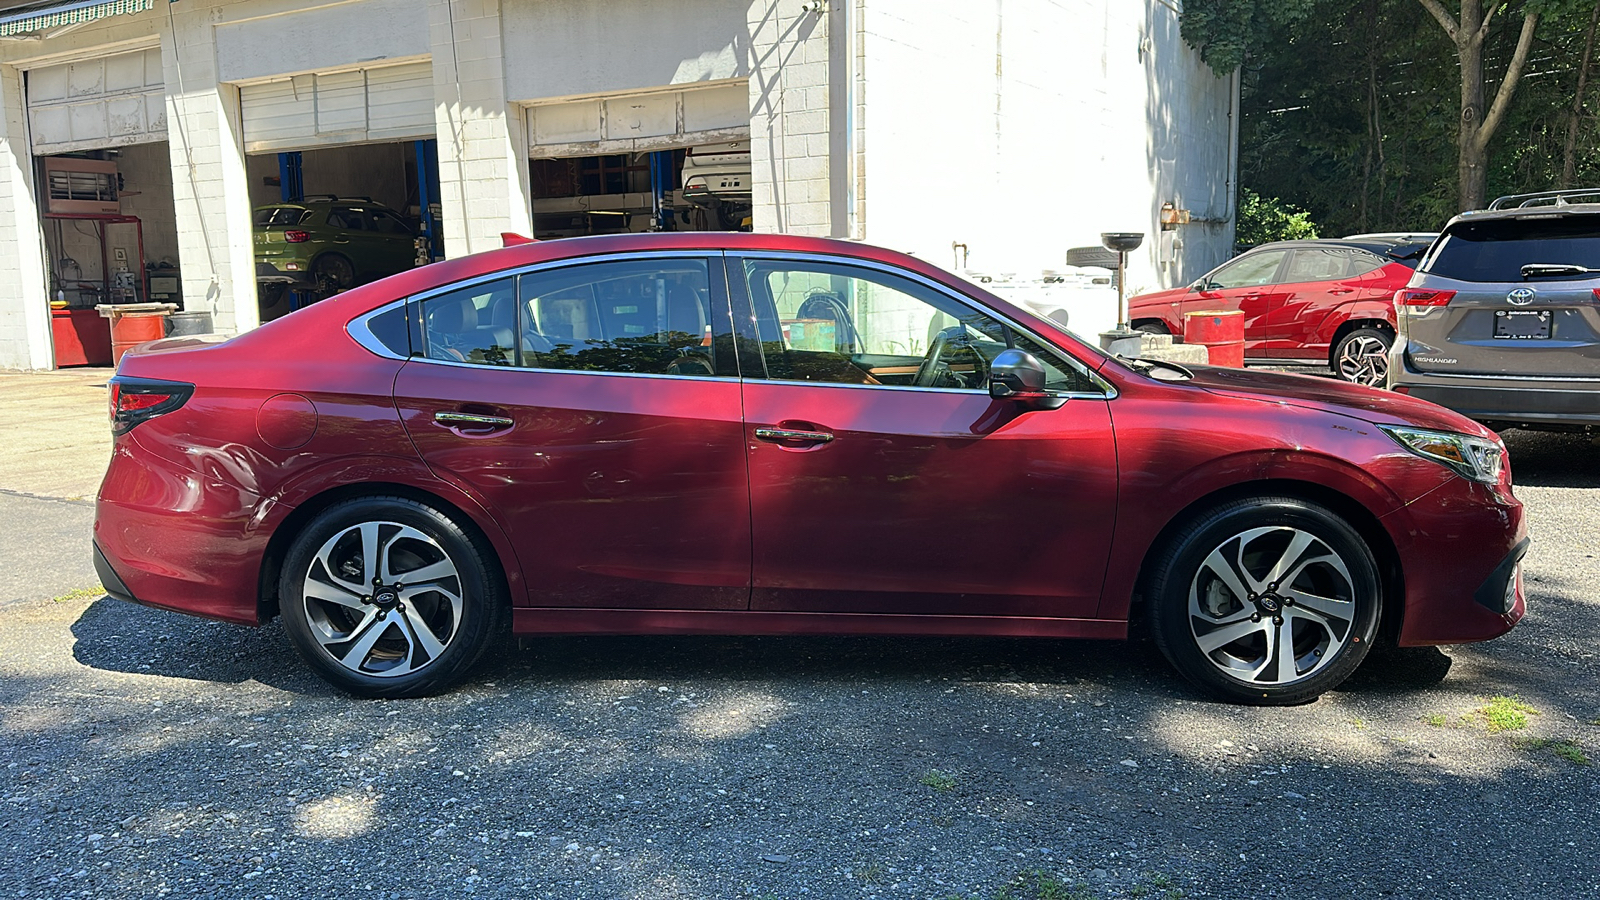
1423,298
296,236
135,400
1597,293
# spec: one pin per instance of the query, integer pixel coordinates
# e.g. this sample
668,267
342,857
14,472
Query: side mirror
1018,375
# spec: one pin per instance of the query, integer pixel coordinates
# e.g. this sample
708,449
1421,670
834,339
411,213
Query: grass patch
1571,751
871,874
1437,720
1037,884
88,593
943,782
1358,723
1505,714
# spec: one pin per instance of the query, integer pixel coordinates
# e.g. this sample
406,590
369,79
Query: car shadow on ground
1542,459
119,637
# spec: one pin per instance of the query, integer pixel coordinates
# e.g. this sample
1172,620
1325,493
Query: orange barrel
1220,331
131,329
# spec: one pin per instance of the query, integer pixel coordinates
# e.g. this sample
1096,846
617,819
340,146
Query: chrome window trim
480,367
360,331
1110,390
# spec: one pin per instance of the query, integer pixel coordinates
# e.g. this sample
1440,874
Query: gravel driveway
150,754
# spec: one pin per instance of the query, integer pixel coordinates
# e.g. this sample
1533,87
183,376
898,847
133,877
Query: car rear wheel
1151,327
1362,356
1267,601
388,597
333,273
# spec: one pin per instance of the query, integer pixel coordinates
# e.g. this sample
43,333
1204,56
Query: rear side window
1496,250
474,324
280,216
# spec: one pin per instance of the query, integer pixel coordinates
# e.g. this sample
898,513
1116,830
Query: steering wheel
929,373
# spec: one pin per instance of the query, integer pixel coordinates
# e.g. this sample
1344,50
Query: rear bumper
1506,402
177,539
270,273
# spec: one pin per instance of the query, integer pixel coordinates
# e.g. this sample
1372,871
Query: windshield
280,216
1496,250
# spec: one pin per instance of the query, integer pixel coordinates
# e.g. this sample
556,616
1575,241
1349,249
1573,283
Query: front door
883,477
595,411
1248,284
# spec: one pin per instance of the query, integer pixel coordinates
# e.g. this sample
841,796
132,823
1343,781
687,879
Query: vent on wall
81,186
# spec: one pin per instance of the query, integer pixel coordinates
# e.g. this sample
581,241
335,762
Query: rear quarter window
1496,250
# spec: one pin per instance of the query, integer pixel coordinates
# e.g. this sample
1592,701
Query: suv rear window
281,216
1496,250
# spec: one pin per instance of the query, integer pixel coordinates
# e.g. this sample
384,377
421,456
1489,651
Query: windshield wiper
1159,363
1541,270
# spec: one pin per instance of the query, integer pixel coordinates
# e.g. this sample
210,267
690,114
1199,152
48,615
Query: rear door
1475,312
1316,282
1247,284
594,408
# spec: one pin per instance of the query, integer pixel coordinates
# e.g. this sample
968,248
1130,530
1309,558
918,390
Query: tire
332,273
397,640
1362,357
1152,328
1329,604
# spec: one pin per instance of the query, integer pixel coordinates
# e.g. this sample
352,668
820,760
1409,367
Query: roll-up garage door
655,120
392,103
110,101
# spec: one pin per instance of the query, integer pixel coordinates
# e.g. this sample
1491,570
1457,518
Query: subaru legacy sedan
763,434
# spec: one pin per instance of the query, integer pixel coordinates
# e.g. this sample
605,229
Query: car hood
1167,296
1379,407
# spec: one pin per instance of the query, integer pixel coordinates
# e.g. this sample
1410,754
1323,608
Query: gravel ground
150,754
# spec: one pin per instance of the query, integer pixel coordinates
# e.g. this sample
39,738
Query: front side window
841,324
1250,270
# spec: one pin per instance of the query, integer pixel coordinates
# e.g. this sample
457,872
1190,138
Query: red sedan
759,434
1323,302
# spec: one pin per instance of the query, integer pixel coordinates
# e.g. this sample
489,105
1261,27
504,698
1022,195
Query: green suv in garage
327,244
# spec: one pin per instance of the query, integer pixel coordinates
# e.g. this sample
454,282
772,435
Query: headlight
1469,457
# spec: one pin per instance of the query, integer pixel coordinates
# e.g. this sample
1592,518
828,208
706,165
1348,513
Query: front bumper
1460,545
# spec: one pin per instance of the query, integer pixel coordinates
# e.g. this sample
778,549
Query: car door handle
472,420
1343,291
786,435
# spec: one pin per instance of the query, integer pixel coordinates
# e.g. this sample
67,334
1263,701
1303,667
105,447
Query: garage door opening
329,219
705,188
111,237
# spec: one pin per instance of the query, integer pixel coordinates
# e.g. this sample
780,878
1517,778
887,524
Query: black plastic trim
1491,595
109,580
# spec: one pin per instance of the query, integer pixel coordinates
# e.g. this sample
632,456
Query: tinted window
475,324
349,219
839,324
1362,262
647,317
280,216
1250,270
1319,264
1496,250
384,223
391,328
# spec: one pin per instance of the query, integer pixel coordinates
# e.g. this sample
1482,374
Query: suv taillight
1423,298
135,400
296,236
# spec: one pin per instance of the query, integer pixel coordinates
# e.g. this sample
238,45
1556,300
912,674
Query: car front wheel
1267,601
388,597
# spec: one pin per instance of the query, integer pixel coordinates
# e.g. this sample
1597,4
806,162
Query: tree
1467,32
1264,219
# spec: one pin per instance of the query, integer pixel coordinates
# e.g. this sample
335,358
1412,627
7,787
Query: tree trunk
1477,124
1569,148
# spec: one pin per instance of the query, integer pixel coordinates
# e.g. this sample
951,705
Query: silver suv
1501,321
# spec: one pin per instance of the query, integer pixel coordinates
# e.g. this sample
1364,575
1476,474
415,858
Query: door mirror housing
1018,375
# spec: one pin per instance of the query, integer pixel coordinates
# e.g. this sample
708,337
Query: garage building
139,139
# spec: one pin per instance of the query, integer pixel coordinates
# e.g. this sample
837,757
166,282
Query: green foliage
1263,219
1505,714
1225,31
1351,108
942,782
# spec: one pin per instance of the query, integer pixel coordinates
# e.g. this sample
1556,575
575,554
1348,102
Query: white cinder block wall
1017,127
1022,128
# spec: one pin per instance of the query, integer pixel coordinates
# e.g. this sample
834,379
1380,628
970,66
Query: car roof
1376,244
329,200
1561,211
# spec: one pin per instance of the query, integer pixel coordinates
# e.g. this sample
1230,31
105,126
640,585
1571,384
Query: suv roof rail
1545,198
319,197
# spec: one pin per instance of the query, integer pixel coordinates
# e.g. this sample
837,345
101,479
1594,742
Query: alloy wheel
1271,606
382,599
1364,359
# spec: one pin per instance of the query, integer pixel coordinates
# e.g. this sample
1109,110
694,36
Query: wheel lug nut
1255,617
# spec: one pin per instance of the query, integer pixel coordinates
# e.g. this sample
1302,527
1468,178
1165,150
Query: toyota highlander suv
1502,320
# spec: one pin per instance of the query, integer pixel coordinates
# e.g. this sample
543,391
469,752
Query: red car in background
701,433
1323,302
